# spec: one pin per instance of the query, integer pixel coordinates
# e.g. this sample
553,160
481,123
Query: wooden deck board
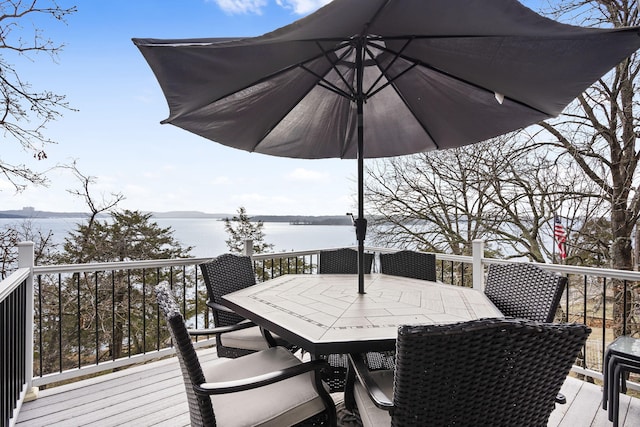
153,395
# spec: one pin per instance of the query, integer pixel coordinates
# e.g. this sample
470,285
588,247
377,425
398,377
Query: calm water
207,236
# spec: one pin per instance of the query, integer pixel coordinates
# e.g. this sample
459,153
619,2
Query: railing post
248,247
26,259
478,269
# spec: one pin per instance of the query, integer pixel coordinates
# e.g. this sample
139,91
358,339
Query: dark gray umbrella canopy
434,74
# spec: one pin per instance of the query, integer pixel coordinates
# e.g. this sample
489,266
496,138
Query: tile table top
325,314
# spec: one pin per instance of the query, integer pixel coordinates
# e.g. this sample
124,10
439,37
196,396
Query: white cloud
301,174
302,7
242,6
221,180
249,197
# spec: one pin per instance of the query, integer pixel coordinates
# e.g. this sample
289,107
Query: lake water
207,235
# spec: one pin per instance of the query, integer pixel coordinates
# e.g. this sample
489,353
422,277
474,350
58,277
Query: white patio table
325,314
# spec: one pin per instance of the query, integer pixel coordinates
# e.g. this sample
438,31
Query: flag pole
553,241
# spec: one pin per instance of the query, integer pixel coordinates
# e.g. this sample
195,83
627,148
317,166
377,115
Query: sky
116,137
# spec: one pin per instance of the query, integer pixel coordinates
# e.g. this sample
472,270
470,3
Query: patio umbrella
379,78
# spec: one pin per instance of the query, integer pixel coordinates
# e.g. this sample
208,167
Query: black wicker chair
488,372
269,387
343,261
417,265
340,261
224,274
525,290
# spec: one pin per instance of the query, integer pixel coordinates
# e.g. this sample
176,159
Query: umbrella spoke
322,81
384,70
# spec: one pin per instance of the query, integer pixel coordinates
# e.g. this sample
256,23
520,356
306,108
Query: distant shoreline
29,213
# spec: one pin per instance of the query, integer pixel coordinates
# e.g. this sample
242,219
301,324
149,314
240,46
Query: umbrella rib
322,82
390,81
456,78
383,72
332,88
327,84
286,69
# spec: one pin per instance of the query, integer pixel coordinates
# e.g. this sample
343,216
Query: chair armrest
219,307
378,397
220,329
259,380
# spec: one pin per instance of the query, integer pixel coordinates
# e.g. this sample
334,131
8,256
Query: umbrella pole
361,222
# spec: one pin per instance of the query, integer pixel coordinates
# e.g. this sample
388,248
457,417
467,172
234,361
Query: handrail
14,280
457,267
116,265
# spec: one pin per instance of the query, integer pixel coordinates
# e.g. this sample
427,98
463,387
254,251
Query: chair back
503,372
225,274
343,261
200,407
417,265
525,290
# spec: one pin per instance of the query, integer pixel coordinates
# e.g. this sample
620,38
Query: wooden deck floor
153,395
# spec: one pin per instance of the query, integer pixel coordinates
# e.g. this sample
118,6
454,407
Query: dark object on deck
483,372
525,290
340,261
343,261
417,265
621,357
225,274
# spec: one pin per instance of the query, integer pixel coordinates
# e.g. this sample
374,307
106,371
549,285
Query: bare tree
21,231
25,111
427,201
96,204
600,132
505,191
528,187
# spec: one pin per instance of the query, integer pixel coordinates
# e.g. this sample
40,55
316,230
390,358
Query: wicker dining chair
340,261
343,261
525,290
222,275
488,372
416,265
268,387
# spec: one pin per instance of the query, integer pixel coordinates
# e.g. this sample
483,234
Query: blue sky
116,137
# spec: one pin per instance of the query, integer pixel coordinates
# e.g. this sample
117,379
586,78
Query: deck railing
94,318
16,337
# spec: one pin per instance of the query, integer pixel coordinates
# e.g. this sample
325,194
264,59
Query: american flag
561,237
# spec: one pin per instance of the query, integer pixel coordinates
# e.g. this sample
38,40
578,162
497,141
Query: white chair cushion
247,339
281,404
370,414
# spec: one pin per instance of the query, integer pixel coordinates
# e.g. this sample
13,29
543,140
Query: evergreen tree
241,228
127,236
107,314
